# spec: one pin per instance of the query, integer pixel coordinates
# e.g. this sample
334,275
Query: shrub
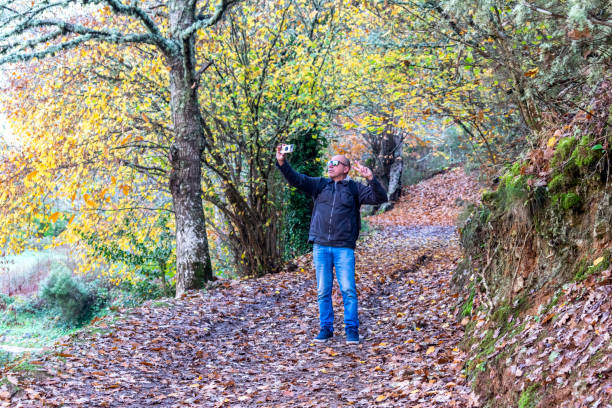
5,300
16,307
139,290
101,293
68,295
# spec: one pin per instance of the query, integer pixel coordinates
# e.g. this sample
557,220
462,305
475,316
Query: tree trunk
395,179
261,252
193,266
389,164
254,240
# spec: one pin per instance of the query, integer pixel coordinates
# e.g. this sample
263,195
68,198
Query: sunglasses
334,163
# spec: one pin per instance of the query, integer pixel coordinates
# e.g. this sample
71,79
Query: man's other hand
280,157
362,170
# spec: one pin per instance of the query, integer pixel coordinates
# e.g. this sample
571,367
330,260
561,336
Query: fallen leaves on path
249,343
436,201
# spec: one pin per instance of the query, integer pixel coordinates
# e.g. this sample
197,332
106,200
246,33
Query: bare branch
607,23
66,45
132,10
20,30
220,9
157,171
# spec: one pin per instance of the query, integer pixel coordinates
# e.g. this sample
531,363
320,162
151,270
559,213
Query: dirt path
249,343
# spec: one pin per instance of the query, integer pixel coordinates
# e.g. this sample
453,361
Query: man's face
340,169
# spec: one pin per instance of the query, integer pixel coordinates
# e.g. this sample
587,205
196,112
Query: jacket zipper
331,213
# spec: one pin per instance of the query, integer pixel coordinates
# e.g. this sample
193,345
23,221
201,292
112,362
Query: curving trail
248,343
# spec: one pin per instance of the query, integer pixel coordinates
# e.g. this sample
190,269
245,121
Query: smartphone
288,148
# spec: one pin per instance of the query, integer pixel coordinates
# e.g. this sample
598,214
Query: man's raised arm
301,181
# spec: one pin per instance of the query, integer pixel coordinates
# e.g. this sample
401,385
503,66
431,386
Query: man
334,229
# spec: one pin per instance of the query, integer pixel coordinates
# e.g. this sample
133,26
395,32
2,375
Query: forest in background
406,87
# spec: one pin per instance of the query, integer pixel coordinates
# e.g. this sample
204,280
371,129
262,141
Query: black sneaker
324,335
352,335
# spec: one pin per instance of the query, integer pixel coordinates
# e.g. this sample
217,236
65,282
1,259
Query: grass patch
529,397
30,329
500,316
466,309
584,269
554,300
26,367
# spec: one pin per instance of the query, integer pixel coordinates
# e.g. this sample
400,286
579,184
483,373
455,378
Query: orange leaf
31,175
54,216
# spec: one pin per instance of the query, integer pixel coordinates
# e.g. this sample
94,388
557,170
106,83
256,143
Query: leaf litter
245,343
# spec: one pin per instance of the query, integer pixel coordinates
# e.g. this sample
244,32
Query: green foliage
45,228
138,290
568,163
528,398
512,188
484,344
554,300
584,155
366,227
571,162
466,309
558,183
565,147
538,200
515,170
308,147
69,295
5,300
500,315
489,196
17,307
27,323
584,269
150,258
570,201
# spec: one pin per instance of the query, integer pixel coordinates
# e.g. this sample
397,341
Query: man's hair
348,162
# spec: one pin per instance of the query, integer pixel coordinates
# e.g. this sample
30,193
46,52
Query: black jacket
334,217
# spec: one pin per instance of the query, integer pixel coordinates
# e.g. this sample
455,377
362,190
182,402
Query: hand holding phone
281,151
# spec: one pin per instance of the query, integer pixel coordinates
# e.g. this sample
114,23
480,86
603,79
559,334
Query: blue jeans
325,258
